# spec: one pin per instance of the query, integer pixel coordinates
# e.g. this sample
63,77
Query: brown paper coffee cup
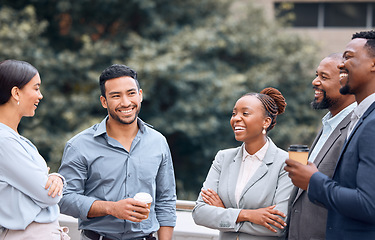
299,153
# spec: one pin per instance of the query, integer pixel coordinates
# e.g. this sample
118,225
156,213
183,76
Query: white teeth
126,111
239,128
318,92
343,75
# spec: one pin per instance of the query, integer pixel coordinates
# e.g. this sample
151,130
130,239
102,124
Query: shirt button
129,175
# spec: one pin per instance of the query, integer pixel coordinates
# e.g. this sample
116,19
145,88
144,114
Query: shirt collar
335,120
364,105
259,155
102,127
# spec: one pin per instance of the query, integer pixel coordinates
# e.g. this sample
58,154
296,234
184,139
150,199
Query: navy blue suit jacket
350,195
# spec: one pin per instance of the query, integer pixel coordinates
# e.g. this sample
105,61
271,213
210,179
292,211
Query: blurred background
194,59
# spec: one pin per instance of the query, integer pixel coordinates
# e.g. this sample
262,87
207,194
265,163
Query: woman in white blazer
246,191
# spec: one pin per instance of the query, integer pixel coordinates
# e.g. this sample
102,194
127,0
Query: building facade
330,23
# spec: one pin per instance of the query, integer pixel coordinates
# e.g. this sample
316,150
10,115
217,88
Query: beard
344,90
326,103
128,121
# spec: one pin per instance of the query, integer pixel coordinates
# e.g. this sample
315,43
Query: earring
18,103
264,131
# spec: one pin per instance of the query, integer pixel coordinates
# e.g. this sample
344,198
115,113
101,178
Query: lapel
337,132
263,168
315,140
360,121
234,169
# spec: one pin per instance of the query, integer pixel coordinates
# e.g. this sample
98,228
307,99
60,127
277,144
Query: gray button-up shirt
98,167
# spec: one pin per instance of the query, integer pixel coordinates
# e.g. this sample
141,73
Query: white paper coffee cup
144,197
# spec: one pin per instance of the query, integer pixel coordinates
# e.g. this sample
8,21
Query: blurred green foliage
194,59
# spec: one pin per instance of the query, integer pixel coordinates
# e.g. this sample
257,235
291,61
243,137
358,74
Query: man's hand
127,209
130,209
299,173
210,197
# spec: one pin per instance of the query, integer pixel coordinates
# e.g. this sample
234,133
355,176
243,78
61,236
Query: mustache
319,89
129,106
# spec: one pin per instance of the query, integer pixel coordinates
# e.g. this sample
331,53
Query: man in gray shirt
108,163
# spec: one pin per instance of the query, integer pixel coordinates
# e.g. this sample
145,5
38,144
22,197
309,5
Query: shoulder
6,135
228,154
8,139
229,151
275,157
280,156
84,135
278,153
151,133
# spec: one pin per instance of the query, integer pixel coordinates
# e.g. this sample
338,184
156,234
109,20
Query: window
345,14
298,15
326,14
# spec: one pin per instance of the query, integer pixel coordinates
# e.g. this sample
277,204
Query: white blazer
270,185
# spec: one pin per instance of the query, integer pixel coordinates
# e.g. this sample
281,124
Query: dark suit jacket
350,195
308,220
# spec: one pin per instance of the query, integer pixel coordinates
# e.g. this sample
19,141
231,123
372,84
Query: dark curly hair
370,44
273,102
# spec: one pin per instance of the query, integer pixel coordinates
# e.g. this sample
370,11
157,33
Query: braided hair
273,102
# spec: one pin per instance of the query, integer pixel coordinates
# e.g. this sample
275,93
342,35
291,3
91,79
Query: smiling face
327,84
249,119
123,100
30,96
356,69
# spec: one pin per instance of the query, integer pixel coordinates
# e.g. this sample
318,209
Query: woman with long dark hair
28,193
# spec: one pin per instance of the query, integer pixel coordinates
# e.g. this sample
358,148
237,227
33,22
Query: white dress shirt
359,111
329,125
250,163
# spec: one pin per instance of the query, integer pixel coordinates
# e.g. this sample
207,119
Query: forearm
243,216
224,218
100,209
263,221
165,233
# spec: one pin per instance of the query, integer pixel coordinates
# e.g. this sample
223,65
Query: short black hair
14,73
370,44
116,71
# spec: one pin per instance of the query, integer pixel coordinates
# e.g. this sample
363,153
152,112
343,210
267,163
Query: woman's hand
264,217
210,197
55,185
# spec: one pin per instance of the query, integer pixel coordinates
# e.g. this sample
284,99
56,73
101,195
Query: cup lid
143,197
298,148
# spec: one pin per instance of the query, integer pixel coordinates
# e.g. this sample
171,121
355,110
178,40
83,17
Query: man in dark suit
308,220
350,195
